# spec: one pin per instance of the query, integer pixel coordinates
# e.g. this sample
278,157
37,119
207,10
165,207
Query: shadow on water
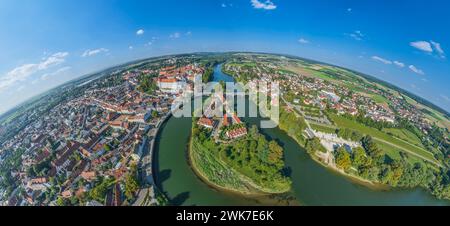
164,175
287,171
159,176
179,199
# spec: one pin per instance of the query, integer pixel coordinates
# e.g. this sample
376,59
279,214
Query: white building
170,85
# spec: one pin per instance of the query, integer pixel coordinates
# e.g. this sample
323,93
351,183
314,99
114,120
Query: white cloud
54,59
267,5
416,70
21,88
398,63
140,32
59,71
224,5
357,35
382,60
93,52
174,35
303,41
22,72
437,47
422,45
430,47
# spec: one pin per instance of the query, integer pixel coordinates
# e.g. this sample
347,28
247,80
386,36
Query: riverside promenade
147,192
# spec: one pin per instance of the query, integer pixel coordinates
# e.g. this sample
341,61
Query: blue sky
45,43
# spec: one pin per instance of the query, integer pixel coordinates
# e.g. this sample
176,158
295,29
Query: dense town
104,138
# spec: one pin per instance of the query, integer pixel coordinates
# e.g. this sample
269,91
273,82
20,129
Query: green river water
313,184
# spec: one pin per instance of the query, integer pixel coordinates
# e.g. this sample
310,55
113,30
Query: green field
395,153
205,162
322,128
342,122
319,74
354,87
405,135
379,99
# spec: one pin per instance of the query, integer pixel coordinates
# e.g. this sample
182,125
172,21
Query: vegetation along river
312,184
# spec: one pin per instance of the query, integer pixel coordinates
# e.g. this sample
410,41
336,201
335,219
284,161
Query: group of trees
349,134
258,158
131,183
343,159
367,121
11,161
147,84
208,74
371,163
293,125
313,145
98,192
253,155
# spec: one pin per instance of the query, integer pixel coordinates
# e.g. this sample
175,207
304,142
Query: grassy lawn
205,161
394,153
380,99
322,128
347,123
405,135
354,88
319,74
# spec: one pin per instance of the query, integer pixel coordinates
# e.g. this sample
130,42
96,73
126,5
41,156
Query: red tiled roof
237,132
205,122
225,120
167,80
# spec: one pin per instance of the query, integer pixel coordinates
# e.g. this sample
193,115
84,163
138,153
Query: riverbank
214,170
251,192
354,178
150,179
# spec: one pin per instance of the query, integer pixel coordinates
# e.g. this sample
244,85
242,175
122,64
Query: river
313,184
